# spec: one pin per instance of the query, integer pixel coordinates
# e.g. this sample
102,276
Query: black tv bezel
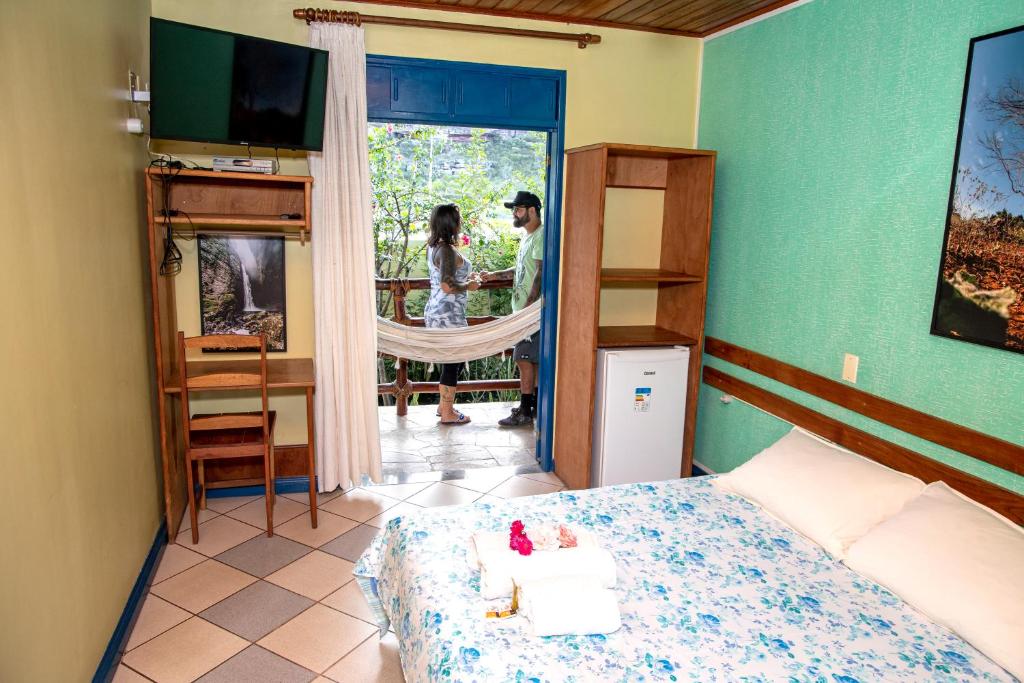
935,329
225,141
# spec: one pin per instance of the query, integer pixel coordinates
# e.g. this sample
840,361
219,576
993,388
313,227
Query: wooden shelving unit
214,201
210,201
687,178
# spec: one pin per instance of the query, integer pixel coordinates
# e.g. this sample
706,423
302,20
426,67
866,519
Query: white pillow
825,492
958,562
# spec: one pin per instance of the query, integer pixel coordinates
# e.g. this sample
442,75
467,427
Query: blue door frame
384,79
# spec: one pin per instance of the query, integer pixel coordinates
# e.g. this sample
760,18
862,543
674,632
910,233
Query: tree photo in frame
980,294
241,287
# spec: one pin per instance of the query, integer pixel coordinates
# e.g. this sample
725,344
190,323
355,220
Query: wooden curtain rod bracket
310,15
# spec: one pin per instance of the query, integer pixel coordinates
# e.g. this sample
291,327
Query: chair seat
230,437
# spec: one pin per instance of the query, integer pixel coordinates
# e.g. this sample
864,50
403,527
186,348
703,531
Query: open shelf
640,335
646,275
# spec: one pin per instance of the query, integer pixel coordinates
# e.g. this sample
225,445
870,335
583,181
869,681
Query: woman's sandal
461,421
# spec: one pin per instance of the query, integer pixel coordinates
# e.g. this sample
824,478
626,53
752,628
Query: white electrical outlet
850,363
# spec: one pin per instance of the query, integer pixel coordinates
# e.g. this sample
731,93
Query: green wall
79,487
836,125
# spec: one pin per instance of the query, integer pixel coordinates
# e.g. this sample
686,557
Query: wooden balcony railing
402,388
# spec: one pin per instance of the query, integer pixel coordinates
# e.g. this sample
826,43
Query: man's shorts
528,349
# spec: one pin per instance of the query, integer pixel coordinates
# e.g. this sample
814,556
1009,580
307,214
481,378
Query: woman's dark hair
445,223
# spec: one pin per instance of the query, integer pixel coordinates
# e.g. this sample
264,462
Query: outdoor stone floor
417,443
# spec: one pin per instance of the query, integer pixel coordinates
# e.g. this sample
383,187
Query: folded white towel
499,567
486,543
568,605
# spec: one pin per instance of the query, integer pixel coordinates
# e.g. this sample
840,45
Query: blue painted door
479,93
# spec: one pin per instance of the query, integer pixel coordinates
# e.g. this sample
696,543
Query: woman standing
451,277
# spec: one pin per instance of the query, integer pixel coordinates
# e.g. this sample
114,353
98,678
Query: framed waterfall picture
241,287
980,292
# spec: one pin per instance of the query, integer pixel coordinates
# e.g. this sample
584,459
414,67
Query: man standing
525,290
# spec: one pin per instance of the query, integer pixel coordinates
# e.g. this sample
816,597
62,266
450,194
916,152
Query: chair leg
312,486
268,489
273,475
193,515
202,484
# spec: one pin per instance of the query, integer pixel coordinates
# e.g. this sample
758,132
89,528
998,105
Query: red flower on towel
517,539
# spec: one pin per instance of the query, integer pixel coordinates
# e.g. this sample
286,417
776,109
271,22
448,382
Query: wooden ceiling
694,18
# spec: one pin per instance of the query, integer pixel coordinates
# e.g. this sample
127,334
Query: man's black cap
524,199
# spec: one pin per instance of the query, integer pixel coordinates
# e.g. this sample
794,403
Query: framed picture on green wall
241,287
980,292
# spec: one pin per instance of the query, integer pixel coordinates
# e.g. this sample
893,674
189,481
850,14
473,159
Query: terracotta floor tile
255,513
315,575
176,558
380,521
256,610
263,554
443,494
224,504
521,486
328,528
185,653
359,505
155,617
256,664
397,491
318,637
374,661
204,516
205,584
218,535
122,674
350,600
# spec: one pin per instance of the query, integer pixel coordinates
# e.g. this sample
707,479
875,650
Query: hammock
457,344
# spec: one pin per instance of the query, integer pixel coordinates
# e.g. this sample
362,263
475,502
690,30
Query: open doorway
414,168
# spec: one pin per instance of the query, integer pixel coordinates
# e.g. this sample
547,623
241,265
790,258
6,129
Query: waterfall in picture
248,260
249,305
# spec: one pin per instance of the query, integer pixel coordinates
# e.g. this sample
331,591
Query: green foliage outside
414,168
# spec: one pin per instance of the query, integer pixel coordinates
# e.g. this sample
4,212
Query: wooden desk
282,373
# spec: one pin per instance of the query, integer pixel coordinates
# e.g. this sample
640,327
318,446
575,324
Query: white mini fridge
639,411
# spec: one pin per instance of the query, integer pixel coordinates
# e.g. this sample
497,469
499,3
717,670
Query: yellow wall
79,501
634,87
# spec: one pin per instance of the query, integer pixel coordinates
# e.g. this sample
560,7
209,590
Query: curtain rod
310,15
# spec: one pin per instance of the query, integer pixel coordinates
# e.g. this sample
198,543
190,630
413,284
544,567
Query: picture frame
242,287
979,296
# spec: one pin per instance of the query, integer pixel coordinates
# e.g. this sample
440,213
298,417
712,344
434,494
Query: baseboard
281,485
700,469
115,648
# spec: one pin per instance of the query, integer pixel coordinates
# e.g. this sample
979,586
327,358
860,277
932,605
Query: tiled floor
417,443
241,607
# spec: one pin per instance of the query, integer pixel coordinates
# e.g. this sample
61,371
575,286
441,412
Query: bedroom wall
79,489
836,126
617,91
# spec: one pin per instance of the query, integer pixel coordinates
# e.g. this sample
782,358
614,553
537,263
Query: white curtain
347,433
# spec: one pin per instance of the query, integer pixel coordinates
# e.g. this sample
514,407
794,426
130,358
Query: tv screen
214,86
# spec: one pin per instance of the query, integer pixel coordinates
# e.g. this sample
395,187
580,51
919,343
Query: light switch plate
850,364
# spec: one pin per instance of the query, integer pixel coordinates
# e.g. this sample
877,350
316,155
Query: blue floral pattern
710,589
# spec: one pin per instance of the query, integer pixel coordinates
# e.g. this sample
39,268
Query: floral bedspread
710,589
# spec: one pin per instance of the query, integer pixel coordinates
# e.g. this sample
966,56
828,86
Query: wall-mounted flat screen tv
214,86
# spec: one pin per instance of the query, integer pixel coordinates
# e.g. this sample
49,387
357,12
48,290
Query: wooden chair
226,435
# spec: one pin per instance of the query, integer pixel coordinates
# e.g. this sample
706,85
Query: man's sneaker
516,419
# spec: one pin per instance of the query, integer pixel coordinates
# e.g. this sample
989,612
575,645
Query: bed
711,588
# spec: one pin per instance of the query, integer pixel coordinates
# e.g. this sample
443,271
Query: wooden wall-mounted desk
282,373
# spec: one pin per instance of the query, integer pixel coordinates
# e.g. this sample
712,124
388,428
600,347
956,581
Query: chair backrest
223,375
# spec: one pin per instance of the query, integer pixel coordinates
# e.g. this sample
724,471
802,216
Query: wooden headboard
984,447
